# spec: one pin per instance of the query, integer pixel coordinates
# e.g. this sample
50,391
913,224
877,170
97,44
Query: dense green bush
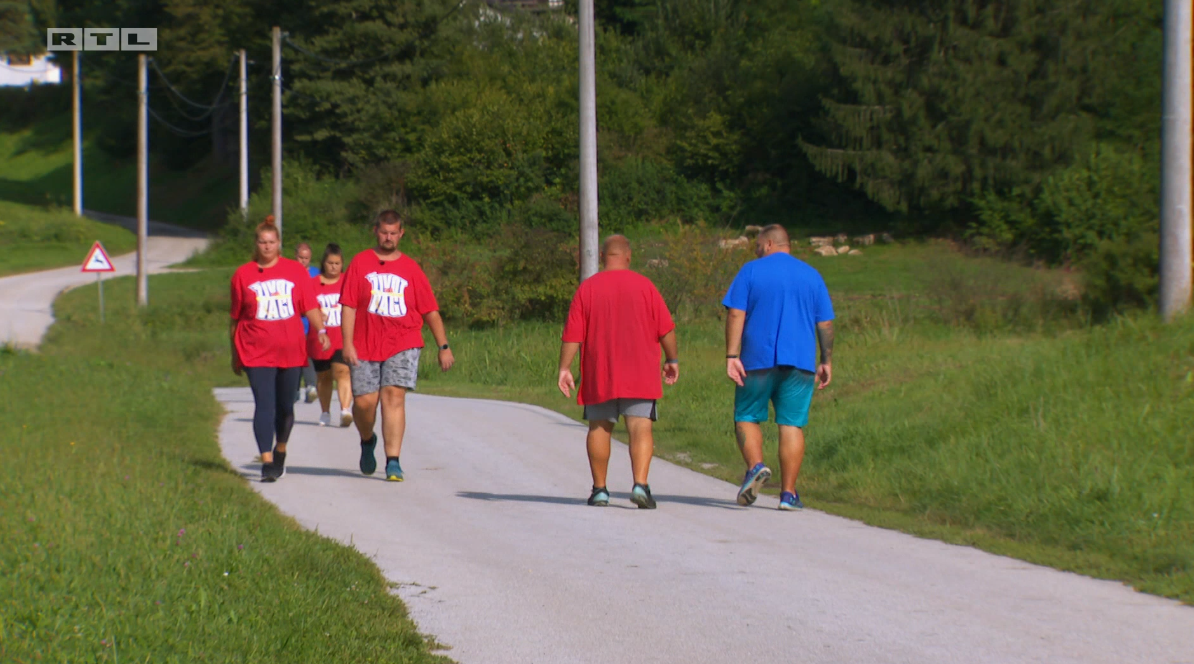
636,191
1122,275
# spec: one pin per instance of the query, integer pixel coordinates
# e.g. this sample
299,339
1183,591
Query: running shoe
393,471
280,462
789,501
752,482
599,497
641,495
312,395
368,460
270,472
325,419
345,418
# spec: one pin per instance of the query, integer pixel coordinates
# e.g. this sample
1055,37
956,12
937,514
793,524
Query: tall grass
36,238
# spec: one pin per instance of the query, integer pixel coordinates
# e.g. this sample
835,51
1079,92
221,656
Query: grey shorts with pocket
614,409
401,370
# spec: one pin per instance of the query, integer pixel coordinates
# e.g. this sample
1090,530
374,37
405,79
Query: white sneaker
345,418
325,419
312,395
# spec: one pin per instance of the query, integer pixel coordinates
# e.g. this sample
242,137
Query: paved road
499,558
26,300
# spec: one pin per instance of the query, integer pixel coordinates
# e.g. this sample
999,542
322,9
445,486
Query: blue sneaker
368,460
641,495
790,501
752,482
393,471
599,497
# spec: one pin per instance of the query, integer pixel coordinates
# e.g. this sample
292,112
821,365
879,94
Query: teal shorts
789,388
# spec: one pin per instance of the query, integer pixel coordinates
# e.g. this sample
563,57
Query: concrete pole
77,131
142,180
244,138
276,162
588,143
1175,163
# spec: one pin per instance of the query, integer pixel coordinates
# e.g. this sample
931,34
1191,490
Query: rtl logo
102,39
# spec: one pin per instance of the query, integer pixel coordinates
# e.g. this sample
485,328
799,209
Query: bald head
772,239
615,252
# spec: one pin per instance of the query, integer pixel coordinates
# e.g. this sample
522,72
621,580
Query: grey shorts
614,409
401,370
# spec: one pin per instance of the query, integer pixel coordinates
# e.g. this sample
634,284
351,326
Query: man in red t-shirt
384,299
617,321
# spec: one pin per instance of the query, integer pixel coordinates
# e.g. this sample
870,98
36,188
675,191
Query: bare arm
315,318
436,323
348,322
671,367
825,341
735,322
568,352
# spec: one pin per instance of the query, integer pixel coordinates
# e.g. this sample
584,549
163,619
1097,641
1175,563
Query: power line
208,107
177,131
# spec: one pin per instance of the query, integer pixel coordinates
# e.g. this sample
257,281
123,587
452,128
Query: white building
24,70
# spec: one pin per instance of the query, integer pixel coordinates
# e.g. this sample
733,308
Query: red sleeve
348,289
236,295
424,296
574,328
663,317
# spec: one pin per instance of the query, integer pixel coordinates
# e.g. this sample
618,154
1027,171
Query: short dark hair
332,249
389,217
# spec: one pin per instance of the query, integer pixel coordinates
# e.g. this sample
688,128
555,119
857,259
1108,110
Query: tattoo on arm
825,340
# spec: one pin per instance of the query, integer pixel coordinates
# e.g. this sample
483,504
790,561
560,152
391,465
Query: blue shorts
789,388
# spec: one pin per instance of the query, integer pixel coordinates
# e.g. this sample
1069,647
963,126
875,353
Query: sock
390,458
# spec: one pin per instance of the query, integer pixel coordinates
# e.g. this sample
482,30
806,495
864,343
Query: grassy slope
128,538
37,238
36,169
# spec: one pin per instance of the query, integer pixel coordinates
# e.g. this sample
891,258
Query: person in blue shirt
302,253
778,313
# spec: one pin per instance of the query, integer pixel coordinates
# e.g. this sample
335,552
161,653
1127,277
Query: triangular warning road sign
97,260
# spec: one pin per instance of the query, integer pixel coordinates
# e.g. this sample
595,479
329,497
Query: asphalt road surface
499,558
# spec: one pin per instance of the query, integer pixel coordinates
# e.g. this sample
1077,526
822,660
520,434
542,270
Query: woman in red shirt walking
330,364
269,293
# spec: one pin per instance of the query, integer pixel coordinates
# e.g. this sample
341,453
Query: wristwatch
323,331
444,347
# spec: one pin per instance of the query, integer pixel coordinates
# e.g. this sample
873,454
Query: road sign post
97,261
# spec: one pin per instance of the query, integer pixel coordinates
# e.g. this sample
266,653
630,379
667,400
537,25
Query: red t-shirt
268,305
390,298
618,317
328,296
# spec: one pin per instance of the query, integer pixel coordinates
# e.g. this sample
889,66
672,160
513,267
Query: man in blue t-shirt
778,313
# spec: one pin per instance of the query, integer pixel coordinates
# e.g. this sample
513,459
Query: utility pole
77,130
1175,163
276,163
588,142
244,139
142,179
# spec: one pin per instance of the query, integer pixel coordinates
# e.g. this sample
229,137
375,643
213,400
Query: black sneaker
368,458
280,462
270,472
641,495
599,497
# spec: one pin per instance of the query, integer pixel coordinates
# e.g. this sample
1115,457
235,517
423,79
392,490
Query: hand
349,353
735,371
446,359
237,367
565,383
671,372
325,343
824,375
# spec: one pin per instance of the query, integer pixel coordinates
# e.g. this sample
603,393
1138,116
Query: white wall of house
41,70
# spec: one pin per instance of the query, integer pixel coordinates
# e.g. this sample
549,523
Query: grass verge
126,535
37,238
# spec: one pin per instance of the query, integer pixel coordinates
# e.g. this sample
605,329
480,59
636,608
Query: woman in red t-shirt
269,293
330,364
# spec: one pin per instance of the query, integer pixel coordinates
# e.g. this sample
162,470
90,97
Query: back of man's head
615,245
775,234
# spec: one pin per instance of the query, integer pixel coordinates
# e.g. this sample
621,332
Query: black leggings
273,392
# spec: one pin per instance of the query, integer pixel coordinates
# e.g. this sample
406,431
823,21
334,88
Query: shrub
692,272
636,191
1122,275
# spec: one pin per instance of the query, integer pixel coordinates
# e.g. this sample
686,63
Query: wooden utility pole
276,162
244,138
588,142
77,131
142,179
1175,163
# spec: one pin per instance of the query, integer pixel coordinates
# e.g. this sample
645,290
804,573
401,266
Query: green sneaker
368,460
599,497
393,471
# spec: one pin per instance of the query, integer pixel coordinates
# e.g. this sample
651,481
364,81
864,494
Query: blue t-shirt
784,298
314,272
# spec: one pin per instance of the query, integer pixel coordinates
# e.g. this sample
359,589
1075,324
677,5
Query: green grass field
127,538
37,238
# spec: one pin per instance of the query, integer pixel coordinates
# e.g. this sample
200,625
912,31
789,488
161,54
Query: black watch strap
444,347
